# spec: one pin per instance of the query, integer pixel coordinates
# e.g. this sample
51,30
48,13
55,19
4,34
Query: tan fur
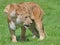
27,12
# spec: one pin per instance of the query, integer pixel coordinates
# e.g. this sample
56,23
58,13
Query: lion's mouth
26,26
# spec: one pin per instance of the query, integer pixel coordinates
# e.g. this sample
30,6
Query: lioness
24,15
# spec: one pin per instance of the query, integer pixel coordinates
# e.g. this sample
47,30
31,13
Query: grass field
51,24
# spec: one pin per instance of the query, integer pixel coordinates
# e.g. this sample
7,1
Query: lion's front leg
13,37
12,31
23,31
33,30
40,29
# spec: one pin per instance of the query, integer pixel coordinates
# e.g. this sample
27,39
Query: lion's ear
6,10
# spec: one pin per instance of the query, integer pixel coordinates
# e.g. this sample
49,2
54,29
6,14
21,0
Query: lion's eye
26,17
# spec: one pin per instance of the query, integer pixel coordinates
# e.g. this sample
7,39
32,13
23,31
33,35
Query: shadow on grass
27,39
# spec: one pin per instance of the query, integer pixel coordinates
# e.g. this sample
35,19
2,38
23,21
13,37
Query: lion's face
23,18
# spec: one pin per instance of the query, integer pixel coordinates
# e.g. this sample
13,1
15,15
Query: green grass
51,24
